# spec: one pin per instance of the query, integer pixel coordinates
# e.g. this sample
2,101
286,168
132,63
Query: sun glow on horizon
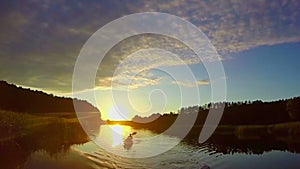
118,113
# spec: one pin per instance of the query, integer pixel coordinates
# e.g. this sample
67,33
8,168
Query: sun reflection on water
114,134
117,135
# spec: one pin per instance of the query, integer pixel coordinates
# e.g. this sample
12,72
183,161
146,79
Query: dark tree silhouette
239,113
18,99
293,108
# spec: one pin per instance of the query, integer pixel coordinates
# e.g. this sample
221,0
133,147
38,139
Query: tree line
18,99
239,113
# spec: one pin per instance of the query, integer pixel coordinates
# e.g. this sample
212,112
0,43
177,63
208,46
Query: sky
258,41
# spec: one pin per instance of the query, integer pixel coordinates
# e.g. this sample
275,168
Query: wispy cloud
126,82
134,69
191,84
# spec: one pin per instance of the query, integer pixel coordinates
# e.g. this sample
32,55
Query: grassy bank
13,125
23,134
288,132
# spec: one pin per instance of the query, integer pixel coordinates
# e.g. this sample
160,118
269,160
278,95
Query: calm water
66,151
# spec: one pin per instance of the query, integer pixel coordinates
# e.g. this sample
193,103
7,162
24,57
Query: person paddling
131,135
128,142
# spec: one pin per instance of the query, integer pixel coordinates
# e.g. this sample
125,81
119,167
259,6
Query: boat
128,142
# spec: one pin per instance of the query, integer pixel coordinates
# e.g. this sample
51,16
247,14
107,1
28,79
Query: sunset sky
259,42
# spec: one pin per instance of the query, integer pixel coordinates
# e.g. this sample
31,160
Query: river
66,152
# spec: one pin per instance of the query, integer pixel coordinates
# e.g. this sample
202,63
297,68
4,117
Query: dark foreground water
57,149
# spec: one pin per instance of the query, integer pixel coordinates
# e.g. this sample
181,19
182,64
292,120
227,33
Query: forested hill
18,99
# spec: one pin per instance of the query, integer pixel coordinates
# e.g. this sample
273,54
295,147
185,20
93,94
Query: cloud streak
191,84
136,59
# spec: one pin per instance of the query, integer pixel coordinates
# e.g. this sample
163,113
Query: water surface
69,151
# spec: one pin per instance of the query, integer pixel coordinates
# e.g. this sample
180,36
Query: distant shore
287,132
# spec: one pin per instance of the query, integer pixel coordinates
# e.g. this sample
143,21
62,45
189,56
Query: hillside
18,99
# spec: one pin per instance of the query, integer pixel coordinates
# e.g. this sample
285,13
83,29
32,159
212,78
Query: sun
118,112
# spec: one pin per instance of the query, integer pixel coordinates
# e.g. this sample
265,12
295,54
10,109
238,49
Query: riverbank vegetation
244,120
25,111
14,125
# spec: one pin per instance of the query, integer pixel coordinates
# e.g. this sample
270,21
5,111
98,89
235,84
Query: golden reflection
114,134
117,135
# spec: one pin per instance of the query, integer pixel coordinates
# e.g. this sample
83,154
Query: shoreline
287,132
14,125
